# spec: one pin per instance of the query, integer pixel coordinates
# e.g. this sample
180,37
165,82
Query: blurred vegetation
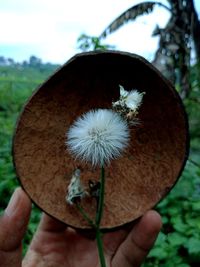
90,43
17,82
179,242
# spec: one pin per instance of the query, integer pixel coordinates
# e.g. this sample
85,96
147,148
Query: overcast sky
49,29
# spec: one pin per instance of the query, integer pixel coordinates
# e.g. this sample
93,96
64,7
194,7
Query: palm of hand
55,245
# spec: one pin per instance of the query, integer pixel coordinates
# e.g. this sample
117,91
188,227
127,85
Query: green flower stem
96,225
100,247
101,197
99,215
85,216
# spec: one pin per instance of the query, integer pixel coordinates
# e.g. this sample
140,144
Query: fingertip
19,204
25,199
14,221
147,229
152,221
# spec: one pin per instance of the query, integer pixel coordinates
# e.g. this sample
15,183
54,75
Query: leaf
158,253
176,239
193,222
178,224
184,265
196,206
130,14
193,245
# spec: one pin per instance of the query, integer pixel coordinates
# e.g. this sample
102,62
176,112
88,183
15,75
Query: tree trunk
173,54
195,31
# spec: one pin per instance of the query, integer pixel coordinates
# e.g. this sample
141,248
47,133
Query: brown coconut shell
136,181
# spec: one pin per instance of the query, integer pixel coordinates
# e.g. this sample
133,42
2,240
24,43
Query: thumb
13,225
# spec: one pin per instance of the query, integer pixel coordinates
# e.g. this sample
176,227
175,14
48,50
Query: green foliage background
179,242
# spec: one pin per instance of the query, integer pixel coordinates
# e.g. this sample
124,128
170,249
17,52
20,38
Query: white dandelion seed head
75,188
98,136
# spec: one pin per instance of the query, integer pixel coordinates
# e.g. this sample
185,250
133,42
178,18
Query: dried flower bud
76,190
128,104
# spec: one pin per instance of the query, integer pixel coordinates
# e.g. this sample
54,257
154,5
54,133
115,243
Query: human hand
56,245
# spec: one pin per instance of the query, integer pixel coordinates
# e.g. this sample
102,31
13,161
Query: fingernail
13,203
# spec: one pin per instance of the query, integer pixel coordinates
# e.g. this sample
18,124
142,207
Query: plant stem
85,216
96,225
99,215
100,247
101,197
